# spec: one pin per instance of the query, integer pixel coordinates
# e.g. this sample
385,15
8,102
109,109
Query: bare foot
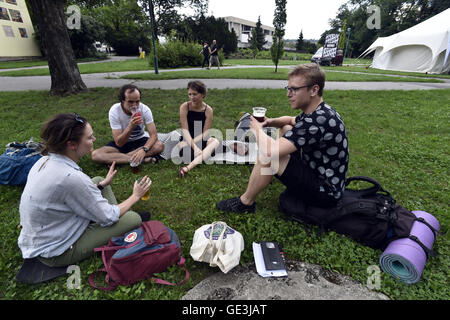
182,172
240,148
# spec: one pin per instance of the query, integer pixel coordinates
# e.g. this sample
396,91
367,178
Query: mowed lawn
267,73
400,138
342,73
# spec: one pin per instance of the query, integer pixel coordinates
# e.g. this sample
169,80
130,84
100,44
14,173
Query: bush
176,54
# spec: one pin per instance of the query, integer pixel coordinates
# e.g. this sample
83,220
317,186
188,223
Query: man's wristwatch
145,149
100,187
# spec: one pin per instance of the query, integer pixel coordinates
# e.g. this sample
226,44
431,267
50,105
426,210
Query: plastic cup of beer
135,167
146,196
259,113
135,112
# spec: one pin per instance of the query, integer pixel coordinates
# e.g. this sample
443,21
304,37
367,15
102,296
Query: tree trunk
52,24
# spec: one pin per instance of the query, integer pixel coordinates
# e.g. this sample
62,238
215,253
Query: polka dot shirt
322,145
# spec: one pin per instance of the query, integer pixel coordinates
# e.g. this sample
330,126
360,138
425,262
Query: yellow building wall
17,46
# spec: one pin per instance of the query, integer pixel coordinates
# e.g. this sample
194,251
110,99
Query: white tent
422,48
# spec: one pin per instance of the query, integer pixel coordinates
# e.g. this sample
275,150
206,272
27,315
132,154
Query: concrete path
112,80
99,80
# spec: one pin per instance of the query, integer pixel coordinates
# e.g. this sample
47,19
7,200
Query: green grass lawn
263,73
262,62
379,71
37,63
400,138
100,67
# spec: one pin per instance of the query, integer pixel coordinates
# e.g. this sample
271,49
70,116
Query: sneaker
34,271
235,205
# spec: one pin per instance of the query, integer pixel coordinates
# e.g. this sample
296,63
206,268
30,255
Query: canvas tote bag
217,244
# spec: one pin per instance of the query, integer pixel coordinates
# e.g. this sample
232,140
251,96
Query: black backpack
370,216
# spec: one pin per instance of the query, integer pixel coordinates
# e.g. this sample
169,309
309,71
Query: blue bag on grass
17,160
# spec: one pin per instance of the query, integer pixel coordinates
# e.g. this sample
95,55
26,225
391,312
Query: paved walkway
112,80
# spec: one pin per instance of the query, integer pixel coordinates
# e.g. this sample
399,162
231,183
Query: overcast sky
311,16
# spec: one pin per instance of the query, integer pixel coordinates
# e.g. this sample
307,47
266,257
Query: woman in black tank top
196,118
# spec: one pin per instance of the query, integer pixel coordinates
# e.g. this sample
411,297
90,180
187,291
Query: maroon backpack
138,254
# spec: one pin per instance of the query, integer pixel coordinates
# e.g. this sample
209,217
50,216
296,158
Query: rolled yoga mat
404,258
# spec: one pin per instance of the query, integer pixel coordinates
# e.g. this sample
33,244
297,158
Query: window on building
12,1
8,31
15,15
4,14
23,32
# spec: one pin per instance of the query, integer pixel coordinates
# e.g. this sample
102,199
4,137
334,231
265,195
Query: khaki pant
95,236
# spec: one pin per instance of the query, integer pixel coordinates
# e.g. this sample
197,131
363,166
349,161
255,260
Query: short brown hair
312,73
198,86
61,128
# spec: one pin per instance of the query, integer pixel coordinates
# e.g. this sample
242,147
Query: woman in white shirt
64,214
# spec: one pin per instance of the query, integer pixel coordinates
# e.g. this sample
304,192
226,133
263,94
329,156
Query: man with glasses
128,120
311,156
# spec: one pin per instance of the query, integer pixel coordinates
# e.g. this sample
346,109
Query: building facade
16,31
243,30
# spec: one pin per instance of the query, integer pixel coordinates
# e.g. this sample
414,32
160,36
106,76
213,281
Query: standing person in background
63,213
214,55
206,51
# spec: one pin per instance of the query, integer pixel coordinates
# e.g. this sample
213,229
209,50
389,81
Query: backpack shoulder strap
181,265
368,191
111,284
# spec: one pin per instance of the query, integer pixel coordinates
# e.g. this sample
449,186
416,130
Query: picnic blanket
223,154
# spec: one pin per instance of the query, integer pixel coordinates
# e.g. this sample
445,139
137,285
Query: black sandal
152,160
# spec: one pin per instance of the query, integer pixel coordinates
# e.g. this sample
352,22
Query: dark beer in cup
135,167
259,113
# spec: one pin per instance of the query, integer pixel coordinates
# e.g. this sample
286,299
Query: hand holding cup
142,188
136,116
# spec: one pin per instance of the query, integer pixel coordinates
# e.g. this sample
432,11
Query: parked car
328,61
100,46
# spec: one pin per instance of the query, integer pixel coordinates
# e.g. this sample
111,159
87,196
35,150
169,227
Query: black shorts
129,146
302,181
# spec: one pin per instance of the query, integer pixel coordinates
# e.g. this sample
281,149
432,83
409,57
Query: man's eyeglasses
78,117
295,89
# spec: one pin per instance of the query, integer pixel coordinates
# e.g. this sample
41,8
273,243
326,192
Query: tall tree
207,29
299,44
51,22
343,35
166,12
279,21
254,43
125,24
259,33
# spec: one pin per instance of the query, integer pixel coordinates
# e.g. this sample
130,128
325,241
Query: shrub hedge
176,54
